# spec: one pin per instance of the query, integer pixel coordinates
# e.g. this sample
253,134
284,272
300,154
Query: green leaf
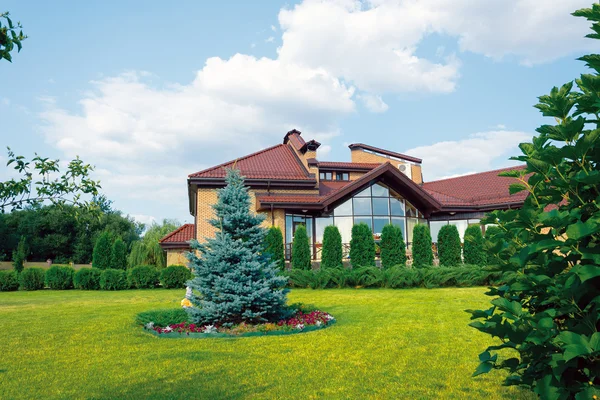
513,307
546,323
580,229
483,368
585,272
516,188
595,341
546,390
575,350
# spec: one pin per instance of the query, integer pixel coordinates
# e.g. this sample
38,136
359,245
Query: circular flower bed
300,322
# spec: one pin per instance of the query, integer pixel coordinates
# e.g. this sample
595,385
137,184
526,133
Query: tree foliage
274,246
393,248
332,253
449,248
421,248
491,256
11,36
474,251
102,251
118,254
20,255
362,246
147,250
301,249
548,310
233,281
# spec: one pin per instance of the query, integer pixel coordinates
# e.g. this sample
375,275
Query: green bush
332,253
118,254
87,279
474,252
491,254
143,277
449,247
162,317
421,246
20,255
102,251
362,246
393,248
59,277
301,249
113,279
274,246
9,281
32,278
175,276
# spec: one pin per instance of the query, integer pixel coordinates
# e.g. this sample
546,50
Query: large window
461,226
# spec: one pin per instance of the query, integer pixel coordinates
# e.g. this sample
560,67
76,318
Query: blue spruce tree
233,280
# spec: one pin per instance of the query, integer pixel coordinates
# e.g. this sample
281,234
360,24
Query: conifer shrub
143,277
393,248
233,281
32,279
113,279
474,252
274,246
332,252
59,277
102,251
301,249
20,255
421,247
449,248
118,254
175,276
9,281
87,279
491,255
362,246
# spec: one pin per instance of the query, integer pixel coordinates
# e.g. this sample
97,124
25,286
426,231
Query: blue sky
149,92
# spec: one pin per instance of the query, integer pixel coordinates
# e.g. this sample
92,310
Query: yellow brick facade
176,257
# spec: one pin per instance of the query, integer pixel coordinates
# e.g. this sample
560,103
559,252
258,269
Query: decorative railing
317,248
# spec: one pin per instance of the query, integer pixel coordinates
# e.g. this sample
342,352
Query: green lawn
411,344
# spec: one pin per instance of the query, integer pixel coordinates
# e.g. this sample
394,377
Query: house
291,188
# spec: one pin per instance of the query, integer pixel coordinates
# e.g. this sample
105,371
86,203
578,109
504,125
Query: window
342,176
327,176
320,224
362,206
381,206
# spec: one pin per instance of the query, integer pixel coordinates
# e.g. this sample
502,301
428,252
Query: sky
149,92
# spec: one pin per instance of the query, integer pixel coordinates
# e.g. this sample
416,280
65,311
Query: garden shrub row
60,277
397,277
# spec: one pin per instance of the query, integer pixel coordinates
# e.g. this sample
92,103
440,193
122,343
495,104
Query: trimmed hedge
113,279
421,246
87,279
332,253
301,249
163,317
393,248
449,247
59,277
143,277
32,279
274,246
9,281
474,252
175,276
362,246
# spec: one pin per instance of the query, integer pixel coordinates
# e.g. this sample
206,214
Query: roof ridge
235,160
386,152
169,235
477,173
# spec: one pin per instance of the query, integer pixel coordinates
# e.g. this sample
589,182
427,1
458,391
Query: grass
412,344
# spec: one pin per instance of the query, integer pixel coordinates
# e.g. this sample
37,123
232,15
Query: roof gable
183,234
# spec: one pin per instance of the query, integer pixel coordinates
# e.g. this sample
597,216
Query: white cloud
479,152
270,39
273,28
373,103
323,151
144,219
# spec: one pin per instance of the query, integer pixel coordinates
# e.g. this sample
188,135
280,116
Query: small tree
233,281
393,248
449,248
118,254
362,246
20,255
274,246
421,247
301,249
474,252
332,254
102,251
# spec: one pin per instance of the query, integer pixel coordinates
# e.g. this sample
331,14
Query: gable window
342,176
326,176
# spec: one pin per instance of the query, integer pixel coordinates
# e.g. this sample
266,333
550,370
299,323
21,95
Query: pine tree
233,281
118,254
473,251
449,246
274,246
421,247
362,246
301,249
20,255
102,251
393,248
332,254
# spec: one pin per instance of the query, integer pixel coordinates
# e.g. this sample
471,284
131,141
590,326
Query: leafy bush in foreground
59,277
175,276
449,247
143,277
113,279
9,281
32,279
163,317
87,279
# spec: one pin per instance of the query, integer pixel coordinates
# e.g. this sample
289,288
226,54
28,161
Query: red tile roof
182,234
328,187
277,162
477,190
384,152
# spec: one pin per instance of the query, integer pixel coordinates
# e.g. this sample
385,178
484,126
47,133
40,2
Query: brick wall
176,257
360,156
